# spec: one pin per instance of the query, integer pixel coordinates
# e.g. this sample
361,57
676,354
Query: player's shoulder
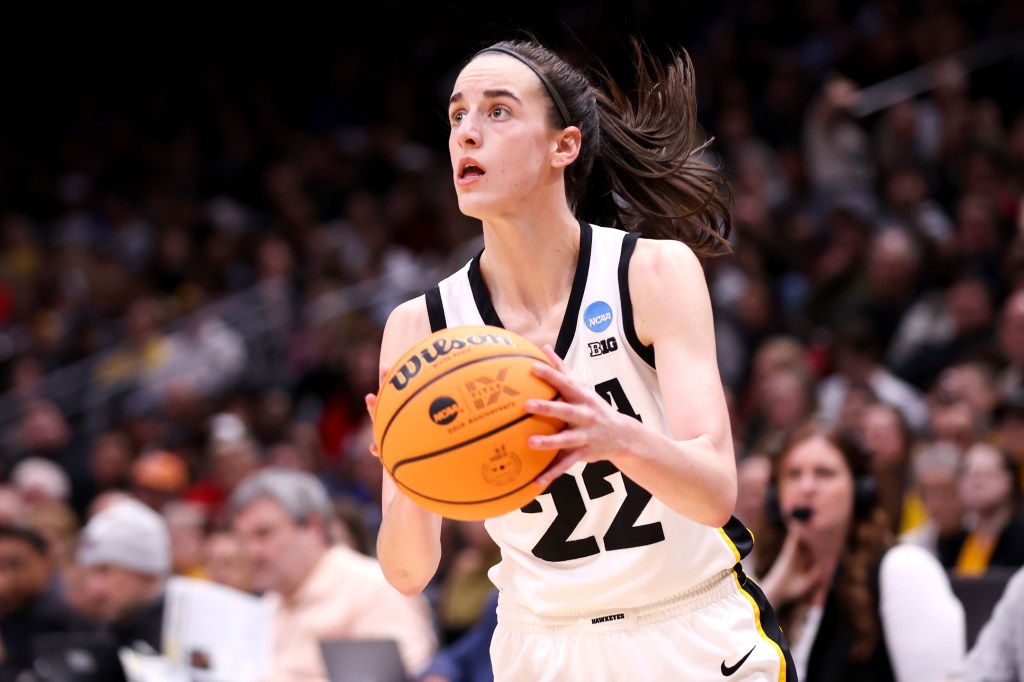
657,263
407,323
661,253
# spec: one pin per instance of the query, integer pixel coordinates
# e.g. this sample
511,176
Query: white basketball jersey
595,540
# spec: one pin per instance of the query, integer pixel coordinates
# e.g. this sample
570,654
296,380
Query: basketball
450,424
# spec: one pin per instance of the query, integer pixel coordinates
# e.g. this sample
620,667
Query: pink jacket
346,596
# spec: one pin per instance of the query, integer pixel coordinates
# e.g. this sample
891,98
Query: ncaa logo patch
598,316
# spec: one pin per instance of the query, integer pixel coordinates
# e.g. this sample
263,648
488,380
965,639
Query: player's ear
567,146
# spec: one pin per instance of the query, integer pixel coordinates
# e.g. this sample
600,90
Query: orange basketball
450,423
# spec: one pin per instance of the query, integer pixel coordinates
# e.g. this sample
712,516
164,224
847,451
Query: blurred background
205,221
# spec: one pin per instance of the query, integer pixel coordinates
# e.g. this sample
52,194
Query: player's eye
455,117
500,112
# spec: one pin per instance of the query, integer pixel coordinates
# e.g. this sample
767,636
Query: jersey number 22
570,507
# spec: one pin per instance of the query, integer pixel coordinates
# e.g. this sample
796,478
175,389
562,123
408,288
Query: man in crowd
29,603
320,589
125,553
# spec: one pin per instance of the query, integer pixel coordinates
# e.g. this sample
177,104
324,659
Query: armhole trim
435,309
646,353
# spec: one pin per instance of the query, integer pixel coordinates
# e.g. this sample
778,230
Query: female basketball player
626,565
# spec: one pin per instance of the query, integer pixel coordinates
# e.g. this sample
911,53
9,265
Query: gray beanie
127,534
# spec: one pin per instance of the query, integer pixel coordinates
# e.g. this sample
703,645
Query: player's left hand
594,429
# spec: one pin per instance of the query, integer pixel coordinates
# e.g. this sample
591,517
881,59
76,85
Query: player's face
815,475
501,141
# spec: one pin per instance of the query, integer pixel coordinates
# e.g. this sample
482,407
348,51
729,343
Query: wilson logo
440,348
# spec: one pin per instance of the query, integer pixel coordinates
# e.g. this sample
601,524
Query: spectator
887,436
109,468
30,604
41,482
968,305
753,476
836,148
205,354
893,280
59,526
125,552
232,455
12,507
935,474
994,525
319,590
1009,427
853,605
857,360
787,398
1010,337
998,653
225,561
158,478
186,524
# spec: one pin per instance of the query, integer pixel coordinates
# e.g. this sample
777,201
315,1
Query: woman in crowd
854,605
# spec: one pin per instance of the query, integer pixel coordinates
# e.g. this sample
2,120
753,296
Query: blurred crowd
198,252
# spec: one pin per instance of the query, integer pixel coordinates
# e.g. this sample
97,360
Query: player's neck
529,265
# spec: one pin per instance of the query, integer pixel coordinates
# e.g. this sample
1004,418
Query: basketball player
626,565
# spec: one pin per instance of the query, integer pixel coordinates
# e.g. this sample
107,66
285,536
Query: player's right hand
371,405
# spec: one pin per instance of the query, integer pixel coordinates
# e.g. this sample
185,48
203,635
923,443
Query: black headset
865,488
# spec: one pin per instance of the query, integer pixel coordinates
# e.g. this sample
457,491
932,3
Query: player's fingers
371,403
374,450
382,372
553,357
557,468
564,383
569,439
559,409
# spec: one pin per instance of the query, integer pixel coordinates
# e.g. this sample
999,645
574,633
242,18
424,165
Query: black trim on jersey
738,534
481,295
567,331
768,620
435,310
579,285
646,353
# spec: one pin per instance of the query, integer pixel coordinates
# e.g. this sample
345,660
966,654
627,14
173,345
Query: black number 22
570,507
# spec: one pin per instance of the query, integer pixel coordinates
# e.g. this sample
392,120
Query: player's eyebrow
490,94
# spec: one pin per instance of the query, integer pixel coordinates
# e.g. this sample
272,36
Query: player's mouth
469,170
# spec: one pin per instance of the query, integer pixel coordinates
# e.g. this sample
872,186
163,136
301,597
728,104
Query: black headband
540,74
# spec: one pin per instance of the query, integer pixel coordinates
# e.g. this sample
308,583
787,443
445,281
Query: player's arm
409,540
693,470
696,472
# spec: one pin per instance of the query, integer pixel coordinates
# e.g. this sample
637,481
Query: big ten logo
487,390
603,346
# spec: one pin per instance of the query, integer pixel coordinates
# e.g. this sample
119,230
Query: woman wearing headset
853,604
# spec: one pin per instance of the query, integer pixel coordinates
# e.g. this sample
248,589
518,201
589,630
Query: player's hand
371,405
594,429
